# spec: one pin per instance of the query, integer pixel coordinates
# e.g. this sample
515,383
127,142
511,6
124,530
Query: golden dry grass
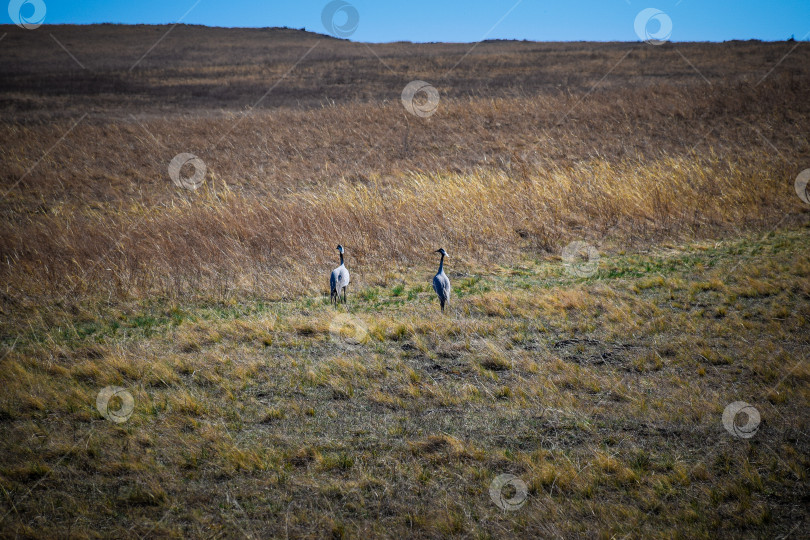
259,411
224,241
604,396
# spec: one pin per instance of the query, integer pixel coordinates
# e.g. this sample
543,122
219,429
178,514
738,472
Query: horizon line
791,39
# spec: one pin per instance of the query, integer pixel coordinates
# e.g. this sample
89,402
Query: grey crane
339,280
440,282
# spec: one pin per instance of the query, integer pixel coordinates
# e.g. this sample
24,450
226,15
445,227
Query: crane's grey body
441,284
339,280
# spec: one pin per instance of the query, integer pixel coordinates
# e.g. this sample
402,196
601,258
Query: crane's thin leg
344,293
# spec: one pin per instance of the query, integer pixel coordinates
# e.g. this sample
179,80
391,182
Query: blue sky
467,20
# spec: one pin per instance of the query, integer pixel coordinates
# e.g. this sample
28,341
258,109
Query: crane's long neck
441,264
341,259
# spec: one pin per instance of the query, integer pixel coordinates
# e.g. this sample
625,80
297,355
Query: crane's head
340,249
442,251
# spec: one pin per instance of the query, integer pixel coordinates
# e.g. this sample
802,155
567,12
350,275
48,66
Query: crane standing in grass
440,282
339,280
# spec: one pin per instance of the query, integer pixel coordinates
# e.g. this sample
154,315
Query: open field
258,410
259,419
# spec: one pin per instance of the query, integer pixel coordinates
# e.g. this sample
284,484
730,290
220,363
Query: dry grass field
249,407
